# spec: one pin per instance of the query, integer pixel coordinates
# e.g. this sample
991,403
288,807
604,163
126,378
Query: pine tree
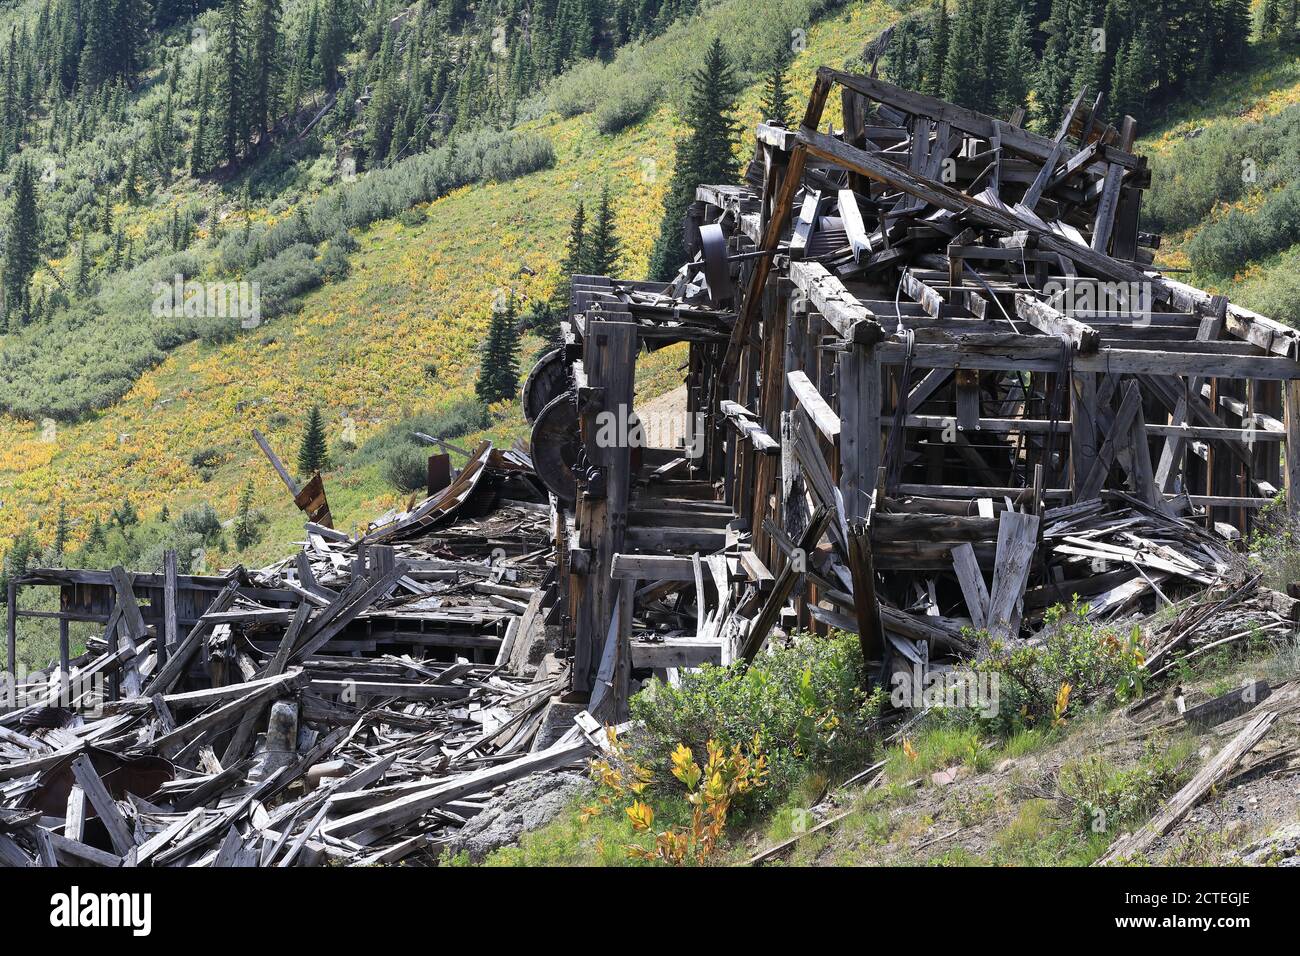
706,155
937,52
245,526
313,451
498,377
264,64
61,530
574,254
230,88
332,43
95,540
199,148
603,249
1018,63
776,94
22,245
1270,18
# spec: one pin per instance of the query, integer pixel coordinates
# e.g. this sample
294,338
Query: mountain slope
361,346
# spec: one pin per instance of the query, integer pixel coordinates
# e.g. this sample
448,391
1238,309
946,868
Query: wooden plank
278,465
1017,539
166,676
827,422
1051,322
971,580
105,807
410,807
1214,772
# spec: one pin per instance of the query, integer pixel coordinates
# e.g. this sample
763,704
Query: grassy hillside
398,334
1226,185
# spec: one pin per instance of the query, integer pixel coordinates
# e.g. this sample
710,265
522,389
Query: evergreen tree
230,89
61,530
264,64
603,249
1270,18
1018,65
574,257
498,377
333,41
199,148
245,524
776,94
706,155
95,540
22,246
17,560
937,54
313,451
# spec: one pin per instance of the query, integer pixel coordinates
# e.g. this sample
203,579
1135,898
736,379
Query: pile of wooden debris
357,702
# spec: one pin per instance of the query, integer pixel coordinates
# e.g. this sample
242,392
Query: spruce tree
776,93
61,530
264,64
230,84
936,53
603,249
313,451
498,377
333,42
573,261
1270,18
22,245
706,155
245,528
1018,63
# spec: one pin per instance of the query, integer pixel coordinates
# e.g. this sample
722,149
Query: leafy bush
624,107
291,273
449,422
1228,243
804,703
1072,663
1275,546
406,467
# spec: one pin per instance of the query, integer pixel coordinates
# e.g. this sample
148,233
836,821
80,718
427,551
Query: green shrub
1107,800
291,273
406,467
1096,661
804,702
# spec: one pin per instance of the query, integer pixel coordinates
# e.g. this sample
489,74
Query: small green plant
1074,663
1107,800
805,701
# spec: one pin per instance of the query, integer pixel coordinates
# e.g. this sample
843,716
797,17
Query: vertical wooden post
170,625
610,365
1083,429
1292,476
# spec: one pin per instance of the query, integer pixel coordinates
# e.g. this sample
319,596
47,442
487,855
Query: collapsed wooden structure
940,387
360,701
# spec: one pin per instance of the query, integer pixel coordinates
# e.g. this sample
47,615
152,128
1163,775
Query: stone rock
525,805
1281,846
